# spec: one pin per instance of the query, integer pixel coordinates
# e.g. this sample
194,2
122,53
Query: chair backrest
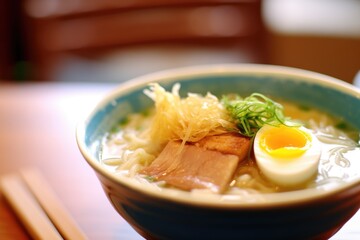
90,28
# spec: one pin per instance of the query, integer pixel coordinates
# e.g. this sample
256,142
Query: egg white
291,171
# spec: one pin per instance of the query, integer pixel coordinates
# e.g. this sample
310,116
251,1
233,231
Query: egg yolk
285,142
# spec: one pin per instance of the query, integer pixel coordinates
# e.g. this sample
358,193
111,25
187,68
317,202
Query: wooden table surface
37,129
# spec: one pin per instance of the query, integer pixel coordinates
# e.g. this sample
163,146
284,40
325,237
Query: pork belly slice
195,167
227,143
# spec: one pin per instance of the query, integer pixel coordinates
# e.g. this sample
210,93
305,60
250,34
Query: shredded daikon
188,119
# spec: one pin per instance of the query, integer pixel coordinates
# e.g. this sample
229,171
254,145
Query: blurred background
112,41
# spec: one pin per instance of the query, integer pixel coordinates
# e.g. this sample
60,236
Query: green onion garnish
253,112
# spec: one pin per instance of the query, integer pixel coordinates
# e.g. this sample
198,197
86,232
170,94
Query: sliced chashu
227,143
211,163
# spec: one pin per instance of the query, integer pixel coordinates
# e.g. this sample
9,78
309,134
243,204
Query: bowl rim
218,201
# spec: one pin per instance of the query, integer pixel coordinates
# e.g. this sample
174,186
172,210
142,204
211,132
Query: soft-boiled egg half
288,156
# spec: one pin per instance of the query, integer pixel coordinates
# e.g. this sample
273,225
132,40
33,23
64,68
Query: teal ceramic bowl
302,214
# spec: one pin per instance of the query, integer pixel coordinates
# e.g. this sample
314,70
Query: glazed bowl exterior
303,214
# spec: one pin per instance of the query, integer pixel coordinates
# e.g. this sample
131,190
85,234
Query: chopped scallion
253,112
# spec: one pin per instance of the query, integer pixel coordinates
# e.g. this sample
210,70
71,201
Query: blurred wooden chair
93,28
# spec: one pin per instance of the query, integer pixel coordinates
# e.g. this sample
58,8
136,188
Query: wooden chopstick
38,207
26,207
51,204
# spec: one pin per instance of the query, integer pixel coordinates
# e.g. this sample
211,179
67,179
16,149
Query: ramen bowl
315,213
